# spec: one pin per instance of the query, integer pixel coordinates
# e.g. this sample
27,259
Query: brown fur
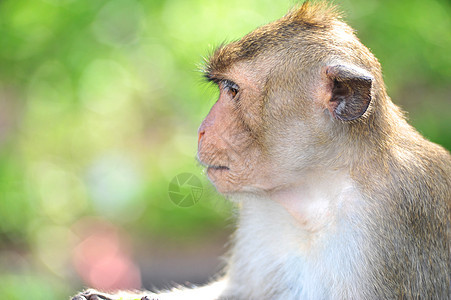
317,17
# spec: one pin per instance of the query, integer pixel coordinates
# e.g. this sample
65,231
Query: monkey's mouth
218,167
215,172
213,167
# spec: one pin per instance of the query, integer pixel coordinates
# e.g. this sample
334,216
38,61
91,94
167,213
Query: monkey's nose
201,134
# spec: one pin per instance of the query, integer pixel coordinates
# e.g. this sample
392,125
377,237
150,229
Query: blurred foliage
100,102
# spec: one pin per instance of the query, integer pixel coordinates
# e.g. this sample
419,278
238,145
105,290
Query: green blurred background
99,107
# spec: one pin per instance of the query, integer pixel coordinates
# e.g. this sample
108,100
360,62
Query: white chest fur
302,243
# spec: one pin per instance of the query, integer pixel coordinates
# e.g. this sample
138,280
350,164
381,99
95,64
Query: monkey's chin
221,178
217,173
218,176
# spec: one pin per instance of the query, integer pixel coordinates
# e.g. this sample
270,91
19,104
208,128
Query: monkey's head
291,95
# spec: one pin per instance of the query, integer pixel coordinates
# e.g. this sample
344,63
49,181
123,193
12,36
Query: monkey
338,196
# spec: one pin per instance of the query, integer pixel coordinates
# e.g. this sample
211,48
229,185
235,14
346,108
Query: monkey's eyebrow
210,77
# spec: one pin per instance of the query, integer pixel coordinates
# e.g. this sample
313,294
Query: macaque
338,196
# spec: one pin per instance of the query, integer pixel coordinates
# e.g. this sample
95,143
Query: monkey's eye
230,87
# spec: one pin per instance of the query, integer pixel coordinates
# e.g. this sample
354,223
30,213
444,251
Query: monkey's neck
318,199
295,234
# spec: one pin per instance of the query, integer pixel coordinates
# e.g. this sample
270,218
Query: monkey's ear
350,91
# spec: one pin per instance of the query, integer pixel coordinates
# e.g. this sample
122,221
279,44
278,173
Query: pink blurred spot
101,257
122,274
